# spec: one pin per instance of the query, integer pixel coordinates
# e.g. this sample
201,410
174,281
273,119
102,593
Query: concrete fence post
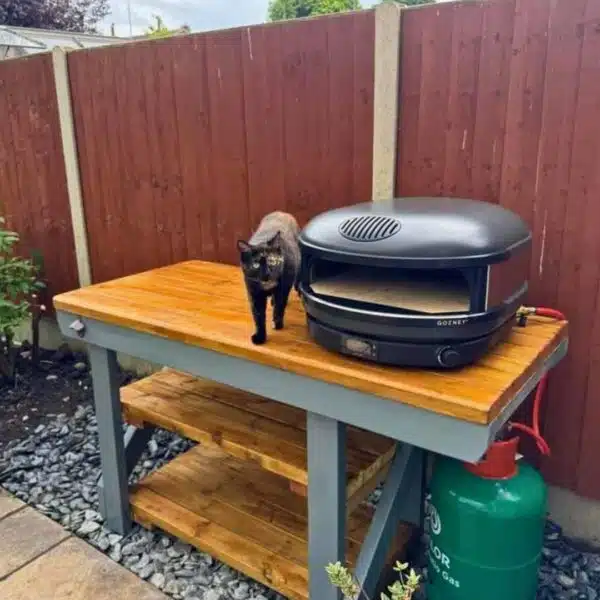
385,102
69,147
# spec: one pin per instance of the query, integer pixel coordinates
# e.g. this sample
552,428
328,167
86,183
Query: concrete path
40,560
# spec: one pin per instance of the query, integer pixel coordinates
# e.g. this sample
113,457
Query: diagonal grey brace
400,501
105,379
135,442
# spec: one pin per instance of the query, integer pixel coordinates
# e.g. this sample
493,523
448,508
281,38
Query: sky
200,15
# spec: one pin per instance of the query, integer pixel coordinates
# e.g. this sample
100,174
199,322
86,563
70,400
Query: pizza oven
422,282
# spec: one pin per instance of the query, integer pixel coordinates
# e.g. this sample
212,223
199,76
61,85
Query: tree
409,2
66,15
296,9
160,30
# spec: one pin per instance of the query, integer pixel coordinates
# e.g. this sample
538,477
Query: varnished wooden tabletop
205,304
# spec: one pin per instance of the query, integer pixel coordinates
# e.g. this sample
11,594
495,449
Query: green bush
19,286
402,589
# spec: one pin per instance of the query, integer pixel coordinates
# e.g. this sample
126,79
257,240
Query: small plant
402,589
19,284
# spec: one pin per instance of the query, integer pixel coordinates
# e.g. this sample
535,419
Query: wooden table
194,318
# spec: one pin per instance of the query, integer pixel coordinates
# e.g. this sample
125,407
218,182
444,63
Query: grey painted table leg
326,445
115,500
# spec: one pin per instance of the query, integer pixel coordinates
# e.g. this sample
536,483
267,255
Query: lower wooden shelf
242,515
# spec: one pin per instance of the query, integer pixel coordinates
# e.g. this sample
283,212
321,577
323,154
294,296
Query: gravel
56,468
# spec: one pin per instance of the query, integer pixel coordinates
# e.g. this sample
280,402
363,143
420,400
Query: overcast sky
200,15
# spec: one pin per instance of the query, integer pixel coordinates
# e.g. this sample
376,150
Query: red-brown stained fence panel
505,105
578,291
185,143
33,189
557,207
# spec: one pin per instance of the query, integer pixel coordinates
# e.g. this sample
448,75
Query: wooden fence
184,143
500,100
33,190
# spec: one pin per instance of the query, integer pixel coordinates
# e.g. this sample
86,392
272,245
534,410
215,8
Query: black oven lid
426,232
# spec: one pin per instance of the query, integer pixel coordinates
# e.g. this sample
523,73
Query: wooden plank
241,515
462,98
264,110
192,105
525,105
224,325
411,54
492,98
363,37
306,128
223,417
228,140
436,25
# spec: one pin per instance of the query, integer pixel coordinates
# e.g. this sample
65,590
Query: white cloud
200,15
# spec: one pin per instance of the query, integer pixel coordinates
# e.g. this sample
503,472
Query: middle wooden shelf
249,427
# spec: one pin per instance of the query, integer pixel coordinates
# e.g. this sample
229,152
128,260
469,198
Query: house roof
32,40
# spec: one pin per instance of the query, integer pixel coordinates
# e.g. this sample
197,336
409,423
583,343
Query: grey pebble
51,377
172,586
92,515
134,548
146,571
185,573
88,527
241,592
114,538
116,553
103,543
212,595
565,581
158,580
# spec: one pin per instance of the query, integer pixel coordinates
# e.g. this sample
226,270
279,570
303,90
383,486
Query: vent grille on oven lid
369,228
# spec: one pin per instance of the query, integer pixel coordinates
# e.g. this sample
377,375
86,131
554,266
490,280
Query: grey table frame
329,408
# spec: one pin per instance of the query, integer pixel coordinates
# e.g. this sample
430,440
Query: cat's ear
275,241
243,247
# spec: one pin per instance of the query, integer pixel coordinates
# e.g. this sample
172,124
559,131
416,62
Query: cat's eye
256,265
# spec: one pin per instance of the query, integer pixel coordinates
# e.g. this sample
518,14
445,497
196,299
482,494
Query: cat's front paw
278,324
259,338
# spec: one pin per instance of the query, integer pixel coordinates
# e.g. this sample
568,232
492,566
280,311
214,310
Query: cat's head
262,263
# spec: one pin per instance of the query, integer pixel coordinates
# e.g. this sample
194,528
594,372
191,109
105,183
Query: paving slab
8,504
74,570
25,535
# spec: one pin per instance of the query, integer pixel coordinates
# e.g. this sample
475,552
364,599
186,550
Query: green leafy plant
402,589
19,288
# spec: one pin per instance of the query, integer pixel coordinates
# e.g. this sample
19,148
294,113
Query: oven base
407,354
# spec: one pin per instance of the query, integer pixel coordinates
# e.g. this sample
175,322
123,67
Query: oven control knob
448,357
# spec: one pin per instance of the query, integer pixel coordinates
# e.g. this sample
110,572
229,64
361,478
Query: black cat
270,262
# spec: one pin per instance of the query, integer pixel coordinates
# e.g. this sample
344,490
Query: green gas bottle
486,527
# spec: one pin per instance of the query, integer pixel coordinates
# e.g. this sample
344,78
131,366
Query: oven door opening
411,291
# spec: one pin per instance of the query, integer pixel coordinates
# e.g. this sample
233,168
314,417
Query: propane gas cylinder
486,527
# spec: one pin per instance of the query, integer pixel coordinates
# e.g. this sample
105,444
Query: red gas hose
534,430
